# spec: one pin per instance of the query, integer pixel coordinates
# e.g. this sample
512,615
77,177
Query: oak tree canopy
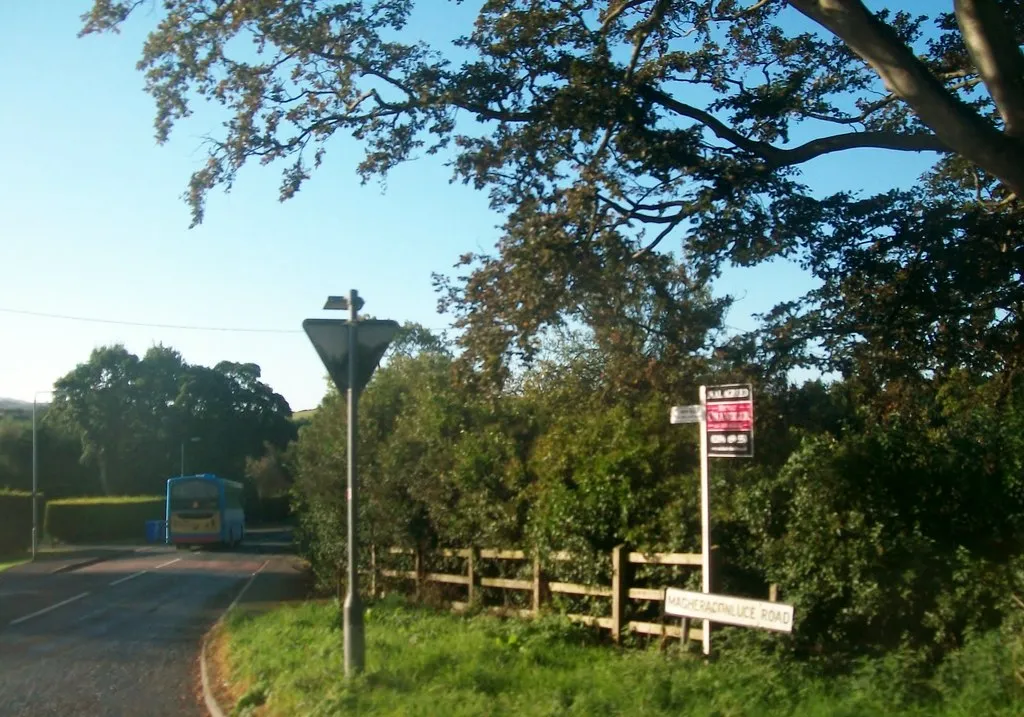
609,131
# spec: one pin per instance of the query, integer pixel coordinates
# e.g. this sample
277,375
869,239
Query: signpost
726,417
729,610
350,351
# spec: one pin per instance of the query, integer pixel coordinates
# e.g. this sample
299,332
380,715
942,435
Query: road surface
118,637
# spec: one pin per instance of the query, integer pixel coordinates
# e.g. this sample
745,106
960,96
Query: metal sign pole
351,350
705,513
355,646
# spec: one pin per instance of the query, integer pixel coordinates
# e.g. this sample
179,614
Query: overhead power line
183,327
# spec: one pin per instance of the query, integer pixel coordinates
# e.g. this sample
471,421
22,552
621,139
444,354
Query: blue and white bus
203,510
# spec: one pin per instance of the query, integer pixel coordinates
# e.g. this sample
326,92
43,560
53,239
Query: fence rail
620,592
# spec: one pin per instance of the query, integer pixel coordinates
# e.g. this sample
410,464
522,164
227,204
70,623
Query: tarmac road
119,637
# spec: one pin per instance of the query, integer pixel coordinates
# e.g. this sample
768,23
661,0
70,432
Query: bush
15,521
84,520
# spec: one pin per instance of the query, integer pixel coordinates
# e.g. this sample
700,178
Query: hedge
15,521
89,520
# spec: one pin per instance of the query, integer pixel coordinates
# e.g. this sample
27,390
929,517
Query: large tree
134,414
603,128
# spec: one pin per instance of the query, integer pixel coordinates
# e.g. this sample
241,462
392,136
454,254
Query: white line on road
143,572
48,609
129,577
246,587
164,565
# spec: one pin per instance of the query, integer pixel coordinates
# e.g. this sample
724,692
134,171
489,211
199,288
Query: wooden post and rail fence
620,592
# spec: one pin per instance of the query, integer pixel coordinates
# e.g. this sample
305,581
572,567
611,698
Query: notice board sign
730,420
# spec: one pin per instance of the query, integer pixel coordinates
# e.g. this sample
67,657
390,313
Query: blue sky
92,224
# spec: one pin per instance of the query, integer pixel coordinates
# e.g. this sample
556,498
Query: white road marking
164,565
143,572
48,609
129,577
125,579
246,587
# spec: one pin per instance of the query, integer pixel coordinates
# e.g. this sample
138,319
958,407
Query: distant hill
13,408
13,404
303,415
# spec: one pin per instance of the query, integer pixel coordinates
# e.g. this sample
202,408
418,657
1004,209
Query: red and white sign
729,420
730,416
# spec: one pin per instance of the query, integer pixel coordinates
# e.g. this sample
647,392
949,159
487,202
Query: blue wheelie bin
155,531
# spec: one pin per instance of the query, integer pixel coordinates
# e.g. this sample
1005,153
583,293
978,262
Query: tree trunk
954,122
104,473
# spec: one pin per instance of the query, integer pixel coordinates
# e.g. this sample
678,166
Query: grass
288,662
9,561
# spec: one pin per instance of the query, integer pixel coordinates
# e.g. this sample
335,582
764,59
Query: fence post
620,590
373,571
538,584
773,592
418,569
471,557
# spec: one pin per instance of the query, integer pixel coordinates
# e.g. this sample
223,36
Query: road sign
729,610
730,420
687,414
330,338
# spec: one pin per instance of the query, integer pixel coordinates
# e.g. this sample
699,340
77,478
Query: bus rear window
194,495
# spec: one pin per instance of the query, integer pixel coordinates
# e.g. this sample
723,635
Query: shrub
15,521
83,520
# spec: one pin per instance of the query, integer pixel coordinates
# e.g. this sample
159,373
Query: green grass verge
10,561
289,662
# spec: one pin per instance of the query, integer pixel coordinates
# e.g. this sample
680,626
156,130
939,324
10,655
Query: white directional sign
687,414
729,610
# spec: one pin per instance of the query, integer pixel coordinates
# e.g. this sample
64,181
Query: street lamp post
193,439
35,476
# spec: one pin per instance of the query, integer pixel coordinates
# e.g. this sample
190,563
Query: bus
204,509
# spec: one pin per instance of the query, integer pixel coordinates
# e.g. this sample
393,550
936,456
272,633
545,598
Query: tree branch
995,53
918,142
779,157
657,240
720,128
615,12
958,126
741,13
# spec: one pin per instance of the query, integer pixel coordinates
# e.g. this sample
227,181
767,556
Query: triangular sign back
330,338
